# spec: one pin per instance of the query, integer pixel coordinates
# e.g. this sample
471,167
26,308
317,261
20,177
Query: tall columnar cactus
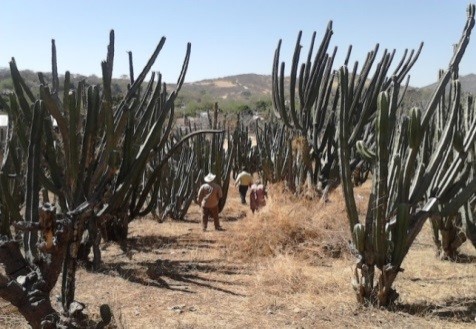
406,188
468,211
449,231
313,99
28,278
95,159
179,182
246,152
275,153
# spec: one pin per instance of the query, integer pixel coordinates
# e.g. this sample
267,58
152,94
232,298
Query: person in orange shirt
244,179
208,197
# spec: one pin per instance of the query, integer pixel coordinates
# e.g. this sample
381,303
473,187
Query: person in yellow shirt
244,180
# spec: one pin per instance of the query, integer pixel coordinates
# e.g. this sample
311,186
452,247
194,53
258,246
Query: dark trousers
243,189
210,212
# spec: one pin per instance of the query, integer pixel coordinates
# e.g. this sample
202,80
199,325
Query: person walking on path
208,197
244,179
257,196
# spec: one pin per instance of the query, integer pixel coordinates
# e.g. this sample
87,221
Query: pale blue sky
228,37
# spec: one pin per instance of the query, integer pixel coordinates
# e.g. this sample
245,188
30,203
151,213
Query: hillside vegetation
234,94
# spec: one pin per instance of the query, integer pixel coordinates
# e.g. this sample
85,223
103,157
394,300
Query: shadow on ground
150,243
175,275
454,310
465,259
183,274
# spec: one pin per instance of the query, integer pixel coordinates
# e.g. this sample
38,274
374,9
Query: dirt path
176,276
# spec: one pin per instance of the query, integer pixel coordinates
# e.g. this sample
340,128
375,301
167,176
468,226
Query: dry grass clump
285,275
291,225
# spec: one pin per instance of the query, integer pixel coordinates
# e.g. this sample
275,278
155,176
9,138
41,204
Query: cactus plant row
309,105
410,181
93,163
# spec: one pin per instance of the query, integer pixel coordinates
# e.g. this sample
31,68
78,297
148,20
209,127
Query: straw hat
209,178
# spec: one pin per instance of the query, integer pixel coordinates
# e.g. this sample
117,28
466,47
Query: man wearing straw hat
208,197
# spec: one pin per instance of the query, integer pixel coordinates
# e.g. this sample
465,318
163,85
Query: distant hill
468,84
237,86
238,93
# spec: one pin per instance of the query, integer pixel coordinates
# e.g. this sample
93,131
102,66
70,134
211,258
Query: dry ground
286,267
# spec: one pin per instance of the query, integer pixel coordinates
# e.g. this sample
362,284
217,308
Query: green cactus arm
67,92
470,137
459,199
181,76
362,77
343,151
32,185
54,67
324,95
7,199
402,69
183,72
156,173
453,170
20,87
400,233
414,142
329,132
394,105
18,119
443,146
90,138
395,183
383,127
454,63
129,151
468,217
277,77
358,90
306,67
150,108
54,109
153,138
365,152
226,176
444,165
131,67
114,131
310,78
448,180
4,105
138,82
107,68
468,111
73,104
351,87
292,82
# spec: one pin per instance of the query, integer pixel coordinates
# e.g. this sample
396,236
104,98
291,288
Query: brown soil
176,276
